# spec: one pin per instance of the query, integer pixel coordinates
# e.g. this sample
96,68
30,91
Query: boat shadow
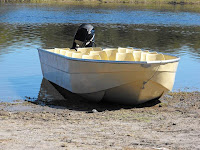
54,96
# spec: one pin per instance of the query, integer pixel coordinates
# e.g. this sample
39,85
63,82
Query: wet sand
172,122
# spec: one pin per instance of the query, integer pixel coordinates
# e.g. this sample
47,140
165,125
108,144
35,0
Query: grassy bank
169,5
173,2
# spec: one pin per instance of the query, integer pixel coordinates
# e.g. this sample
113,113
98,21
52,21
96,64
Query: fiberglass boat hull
121,82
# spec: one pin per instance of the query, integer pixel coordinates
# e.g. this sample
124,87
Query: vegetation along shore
173,2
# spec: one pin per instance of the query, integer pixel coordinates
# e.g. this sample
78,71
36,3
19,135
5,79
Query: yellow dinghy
121,75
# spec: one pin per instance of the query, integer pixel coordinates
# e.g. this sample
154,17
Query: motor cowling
84,36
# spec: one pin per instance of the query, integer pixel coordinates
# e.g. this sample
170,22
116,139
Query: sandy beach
171,122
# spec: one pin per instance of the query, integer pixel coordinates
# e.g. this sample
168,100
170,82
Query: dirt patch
171,122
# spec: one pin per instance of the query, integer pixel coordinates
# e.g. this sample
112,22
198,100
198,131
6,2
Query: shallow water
26,27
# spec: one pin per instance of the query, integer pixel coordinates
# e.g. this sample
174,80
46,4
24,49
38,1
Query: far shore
169,5
172,2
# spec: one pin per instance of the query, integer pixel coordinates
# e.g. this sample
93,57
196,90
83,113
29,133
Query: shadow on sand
54,96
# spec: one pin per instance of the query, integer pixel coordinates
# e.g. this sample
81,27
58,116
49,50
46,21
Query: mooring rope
145,82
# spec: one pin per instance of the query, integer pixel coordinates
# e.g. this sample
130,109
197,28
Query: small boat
120,75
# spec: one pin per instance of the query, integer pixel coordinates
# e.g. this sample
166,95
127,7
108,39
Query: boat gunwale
116,62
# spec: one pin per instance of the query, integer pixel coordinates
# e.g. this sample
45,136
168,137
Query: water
25,27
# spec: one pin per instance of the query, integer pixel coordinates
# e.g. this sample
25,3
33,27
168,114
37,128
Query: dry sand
173,122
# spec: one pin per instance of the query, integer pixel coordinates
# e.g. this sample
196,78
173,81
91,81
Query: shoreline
168,5
171,122
171,2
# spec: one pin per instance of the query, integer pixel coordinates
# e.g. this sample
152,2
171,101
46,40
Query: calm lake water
26,27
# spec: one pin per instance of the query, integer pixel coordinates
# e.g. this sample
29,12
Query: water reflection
177,40
54,96
48,92
13,36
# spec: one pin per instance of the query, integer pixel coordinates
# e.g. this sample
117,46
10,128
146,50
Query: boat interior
112,54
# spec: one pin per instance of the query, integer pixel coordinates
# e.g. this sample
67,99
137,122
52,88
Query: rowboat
120,75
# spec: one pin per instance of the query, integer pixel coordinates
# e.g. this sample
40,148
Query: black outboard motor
84,36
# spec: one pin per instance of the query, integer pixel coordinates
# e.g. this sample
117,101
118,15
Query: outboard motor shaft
84,36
